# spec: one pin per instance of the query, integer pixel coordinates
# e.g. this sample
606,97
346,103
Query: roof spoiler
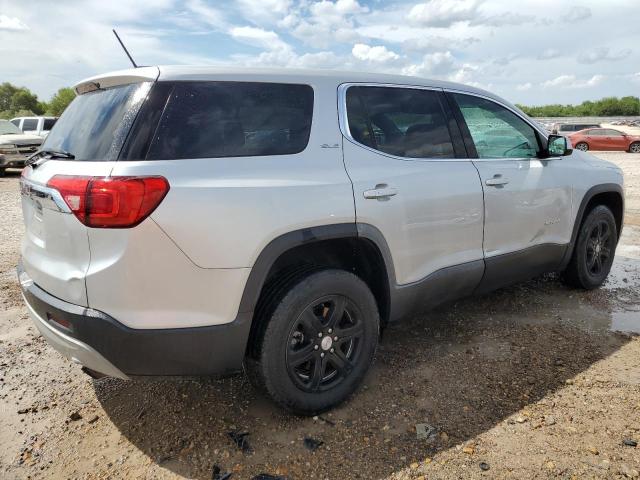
121,77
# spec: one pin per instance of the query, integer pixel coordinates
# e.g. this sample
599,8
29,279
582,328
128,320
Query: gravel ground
532,381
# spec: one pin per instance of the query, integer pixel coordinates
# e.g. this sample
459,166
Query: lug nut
335,339
322,355
330,330
315,347
331,350
319,334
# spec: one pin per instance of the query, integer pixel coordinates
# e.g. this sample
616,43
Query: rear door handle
497,181
381,191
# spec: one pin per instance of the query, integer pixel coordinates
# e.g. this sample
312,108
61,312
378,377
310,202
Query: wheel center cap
326,343
598,248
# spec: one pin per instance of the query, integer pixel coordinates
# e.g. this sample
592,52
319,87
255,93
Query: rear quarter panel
221,212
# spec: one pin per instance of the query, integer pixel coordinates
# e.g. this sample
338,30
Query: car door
414,185
527,199
615,140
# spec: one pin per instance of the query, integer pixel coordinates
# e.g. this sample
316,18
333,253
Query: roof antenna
124,48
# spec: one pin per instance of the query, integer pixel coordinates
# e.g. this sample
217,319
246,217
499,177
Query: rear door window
233,119
405,122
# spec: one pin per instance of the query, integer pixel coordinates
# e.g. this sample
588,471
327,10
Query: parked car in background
605,139
16,146
40,126
568,128
191,220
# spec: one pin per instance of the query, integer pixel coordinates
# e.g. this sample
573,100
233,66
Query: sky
543,51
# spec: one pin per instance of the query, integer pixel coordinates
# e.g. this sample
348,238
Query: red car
604,139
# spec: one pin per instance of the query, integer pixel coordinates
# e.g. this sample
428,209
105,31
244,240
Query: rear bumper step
102,344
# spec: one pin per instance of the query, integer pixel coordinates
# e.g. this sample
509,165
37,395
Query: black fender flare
280,245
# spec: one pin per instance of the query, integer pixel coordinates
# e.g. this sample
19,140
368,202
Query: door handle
496,181
381,191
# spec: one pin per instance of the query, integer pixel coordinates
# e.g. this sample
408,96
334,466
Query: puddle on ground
625,322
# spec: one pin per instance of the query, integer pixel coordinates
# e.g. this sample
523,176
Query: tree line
606,107
22,102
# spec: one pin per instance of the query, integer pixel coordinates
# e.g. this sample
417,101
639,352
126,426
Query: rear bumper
101,343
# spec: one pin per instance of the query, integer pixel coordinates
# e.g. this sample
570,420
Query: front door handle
497,181
382,191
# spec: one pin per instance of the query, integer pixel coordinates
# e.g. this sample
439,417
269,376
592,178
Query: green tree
6,94
605,107
23,99
60,101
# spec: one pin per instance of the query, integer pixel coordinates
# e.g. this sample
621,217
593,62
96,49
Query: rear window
233,119
49,123
95,124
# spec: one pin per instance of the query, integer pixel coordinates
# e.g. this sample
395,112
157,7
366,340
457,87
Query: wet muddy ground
532,381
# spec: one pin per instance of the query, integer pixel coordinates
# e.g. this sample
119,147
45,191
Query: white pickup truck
40,126
16,146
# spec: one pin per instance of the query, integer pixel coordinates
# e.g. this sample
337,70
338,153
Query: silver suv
192,221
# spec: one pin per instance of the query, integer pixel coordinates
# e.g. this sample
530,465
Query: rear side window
49,123
405,122
233,119
30,124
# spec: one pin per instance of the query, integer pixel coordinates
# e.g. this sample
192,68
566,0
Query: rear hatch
85,142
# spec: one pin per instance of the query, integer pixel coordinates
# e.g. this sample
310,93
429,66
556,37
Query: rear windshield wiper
42,156
57,154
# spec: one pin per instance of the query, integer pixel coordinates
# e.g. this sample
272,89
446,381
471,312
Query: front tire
582,146
594,250
634,147
318,344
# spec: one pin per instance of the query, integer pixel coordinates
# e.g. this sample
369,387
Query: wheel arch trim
587,197
306,236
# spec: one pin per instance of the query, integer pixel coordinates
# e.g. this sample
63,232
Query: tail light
110,202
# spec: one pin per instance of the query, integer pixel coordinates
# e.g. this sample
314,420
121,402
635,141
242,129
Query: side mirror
558,146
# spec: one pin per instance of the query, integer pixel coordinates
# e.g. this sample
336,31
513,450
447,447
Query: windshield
8,128
95,124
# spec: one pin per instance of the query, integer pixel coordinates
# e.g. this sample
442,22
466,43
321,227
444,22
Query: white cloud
436,43
378,54
258,37
443,13
571,81
594,55
438,64
549,54
504,19
264,11
577,14
206,13
523,87
11,23
325,22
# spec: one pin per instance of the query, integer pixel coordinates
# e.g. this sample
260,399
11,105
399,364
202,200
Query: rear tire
2,171
594,250
319,342
582,146
634,147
